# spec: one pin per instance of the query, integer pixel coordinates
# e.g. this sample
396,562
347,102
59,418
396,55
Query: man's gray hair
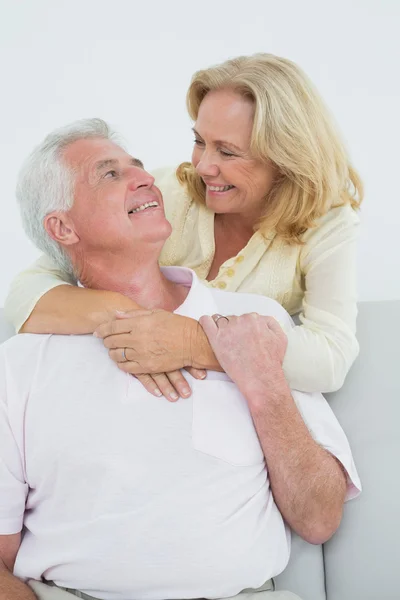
46,184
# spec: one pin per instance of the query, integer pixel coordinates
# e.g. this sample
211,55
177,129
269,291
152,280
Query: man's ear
60,228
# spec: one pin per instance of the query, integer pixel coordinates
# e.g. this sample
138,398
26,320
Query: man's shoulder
30,359
19,359
23,342
30,348
238,303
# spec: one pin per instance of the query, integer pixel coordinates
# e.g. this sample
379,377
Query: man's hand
250,349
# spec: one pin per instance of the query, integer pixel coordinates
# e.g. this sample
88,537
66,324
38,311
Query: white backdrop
130,63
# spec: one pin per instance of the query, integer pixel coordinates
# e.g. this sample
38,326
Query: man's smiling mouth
142,207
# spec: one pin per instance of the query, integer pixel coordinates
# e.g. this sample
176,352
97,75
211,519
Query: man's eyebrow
221,142
112,162
137,163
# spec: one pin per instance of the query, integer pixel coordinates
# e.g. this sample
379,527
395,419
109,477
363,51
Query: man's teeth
225,188
143,207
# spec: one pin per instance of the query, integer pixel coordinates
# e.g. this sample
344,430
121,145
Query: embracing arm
68,309
43,300
11,588
321,351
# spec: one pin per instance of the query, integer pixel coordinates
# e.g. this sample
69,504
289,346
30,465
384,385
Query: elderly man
109,492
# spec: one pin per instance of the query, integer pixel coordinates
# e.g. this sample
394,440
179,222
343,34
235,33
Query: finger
120,340
209,327
118,355
220,320
196,373
179,383
132,367
166,387
148,382
114,327
274,325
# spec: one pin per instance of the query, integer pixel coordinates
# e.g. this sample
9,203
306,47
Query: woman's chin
217,207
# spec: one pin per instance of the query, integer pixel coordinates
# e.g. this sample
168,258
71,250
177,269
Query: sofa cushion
362,561
304,574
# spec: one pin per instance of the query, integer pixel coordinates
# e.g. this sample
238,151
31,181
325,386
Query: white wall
130,63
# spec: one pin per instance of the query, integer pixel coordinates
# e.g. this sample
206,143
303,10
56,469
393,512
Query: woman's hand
149,341
171,385
153,345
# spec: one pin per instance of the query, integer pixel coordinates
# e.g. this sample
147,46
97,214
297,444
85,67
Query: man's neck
142,281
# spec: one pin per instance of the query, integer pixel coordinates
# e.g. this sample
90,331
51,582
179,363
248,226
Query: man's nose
207,166
139,178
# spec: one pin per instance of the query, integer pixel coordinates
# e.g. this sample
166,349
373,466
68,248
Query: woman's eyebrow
220,142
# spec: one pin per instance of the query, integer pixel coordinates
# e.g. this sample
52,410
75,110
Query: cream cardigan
317,280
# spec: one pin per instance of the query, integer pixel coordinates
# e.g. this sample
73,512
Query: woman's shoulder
174,194
164,175
339,225
334,222
167,181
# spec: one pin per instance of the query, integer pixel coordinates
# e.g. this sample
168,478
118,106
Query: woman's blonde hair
293,129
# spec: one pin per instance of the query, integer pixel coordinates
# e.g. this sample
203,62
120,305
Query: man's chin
157,235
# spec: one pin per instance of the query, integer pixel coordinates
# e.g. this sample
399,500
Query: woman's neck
237,225
231,235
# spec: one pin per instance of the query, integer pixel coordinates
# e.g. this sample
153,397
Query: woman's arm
68,309
43,299
321,351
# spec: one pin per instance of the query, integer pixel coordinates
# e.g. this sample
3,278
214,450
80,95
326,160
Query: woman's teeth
225,188
143,207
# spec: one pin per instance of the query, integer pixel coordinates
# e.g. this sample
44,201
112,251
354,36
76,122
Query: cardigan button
239,258
221,285
230,272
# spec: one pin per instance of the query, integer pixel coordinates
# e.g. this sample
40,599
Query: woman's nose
206,167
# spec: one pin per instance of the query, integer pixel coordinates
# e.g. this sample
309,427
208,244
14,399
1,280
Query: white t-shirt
124,495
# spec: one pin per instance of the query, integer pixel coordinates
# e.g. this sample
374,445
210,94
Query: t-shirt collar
199,301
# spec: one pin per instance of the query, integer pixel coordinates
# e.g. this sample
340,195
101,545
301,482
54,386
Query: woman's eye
198,142
224,153
111,174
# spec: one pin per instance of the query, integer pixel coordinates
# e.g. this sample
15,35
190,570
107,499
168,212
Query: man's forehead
93,153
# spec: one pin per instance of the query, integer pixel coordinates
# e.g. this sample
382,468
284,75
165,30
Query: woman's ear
60,228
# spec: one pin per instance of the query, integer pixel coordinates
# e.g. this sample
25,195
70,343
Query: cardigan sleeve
29,286
322,349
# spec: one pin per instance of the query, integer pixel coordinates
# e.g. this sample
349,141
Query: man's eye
110,174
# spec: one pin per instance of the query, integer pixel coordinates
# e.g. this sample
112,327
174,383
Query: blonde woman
267,206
